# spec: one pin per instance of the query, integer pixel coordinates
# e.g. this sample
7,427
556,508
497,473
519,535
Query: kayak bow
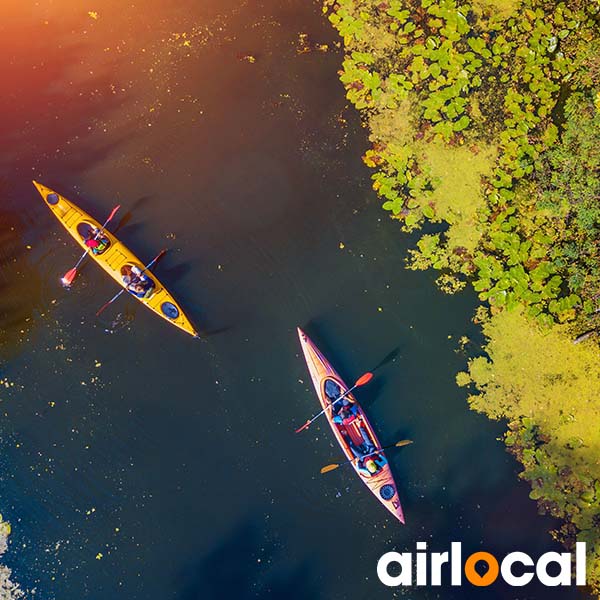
115,258
350,434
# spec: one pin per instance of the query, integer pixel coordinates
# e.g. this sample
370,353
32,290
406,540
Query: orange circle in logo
490,576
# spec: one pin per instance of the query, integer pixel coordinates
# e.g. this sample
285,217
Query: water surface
144,464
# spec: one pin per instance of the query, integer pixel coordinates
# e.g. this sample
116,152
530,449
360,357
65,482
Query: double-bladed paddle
159,255
69,276
334,466
360,381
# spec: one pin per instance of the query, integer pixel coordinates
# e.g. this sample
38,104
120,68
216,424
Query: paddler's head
371,466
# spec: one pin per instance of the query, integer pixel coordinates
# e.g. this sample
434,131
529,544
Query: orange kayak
352,429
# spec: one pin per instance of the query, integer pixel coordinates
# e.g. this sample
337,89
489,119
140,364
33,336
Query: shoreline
474,113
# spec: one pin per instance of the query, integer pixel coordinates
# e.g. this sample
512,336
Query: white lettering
421,568
506,569
563,560
456,563
580,564
405,575
437,560
429,567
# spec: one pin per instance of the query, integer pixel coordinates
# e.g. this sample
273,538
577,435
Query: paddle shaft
376,451
112,214
330,405
134,280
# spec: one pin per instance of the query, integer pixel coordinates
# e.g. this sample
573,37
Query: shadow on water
123,222
245,565
217,331
173,274
391,357
215,323
126,218
315,329
368,393
127,229
140,203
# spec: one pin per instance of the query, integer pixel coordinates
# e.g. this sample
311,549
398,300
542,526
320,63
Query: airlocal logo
517,568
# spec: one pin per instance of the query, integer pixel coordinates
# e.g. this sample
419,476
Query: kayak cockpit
371,465
137,282
350,423
333,391
52,198
93,238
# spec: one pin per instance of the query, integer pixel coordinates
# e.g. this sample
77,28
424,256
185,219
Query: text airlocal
517,569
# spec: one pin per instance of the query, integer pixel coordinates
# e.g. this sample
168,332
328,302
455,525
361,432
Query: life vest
352,425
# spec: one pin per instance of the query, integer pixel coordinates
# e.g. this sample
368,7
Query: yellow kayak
116,259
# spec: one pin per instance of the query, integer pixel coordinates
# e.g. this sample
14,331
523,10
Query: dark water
176,459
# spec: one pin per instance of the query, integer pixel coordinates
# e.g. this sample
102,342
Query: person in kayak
92,243
347,413
350,407
137,283
370,465
336,397
342,416
368,445
352,428
140,290
95,241
342,420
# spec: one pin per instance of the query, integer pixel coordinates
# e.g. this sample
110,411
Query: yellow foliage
540,374
393,126
458,194
497,8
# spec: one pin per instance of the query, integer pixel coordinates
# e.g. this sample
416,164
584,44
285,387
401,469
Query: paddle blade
103,307
113,213
68,277
403,443
329,468
303,427
364,379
